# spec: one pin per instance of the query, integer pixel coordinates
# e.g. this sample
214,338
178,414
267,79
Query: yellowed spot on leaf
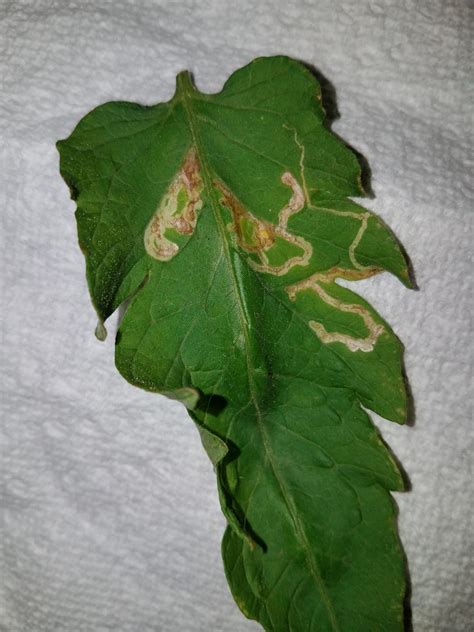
176,211
258,236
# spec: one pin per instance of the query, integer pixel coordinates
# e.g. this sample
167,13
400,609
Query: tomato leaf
224,221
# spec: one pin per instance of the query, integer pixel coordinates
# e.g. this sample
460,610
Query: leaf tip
100,331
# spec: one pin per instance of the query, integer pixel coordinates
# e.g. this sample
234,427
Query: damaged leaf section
316,283
175,219
275,248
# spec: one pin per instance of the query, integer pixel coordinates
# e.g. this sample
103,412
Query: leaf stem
184,84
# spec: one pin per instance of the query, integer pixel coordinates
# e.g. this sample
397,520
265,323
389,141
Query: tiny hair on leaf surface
225,221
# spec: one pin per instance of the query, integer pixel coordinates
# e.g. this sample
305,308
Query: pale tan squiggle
167,216
314,283
362,217
363,227
301,148
295,204
266,232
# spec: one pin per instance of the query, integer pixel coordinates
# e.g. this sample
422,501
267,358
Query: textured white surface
110,513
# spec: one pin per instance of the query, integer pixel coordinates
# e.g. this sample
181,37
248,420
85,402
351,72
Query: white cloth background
110,518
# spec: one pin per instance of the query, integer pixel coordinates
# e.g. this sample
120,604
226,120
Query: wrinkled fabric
110,512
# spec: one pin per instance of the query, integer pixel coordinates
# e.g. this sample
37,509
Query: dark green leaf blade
225,219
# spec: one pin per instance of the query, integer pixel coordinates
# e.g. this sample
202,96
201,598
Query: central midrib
185,89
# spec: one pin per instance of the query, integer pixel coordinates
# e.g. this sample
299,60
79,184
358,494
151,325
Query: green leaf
224,222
